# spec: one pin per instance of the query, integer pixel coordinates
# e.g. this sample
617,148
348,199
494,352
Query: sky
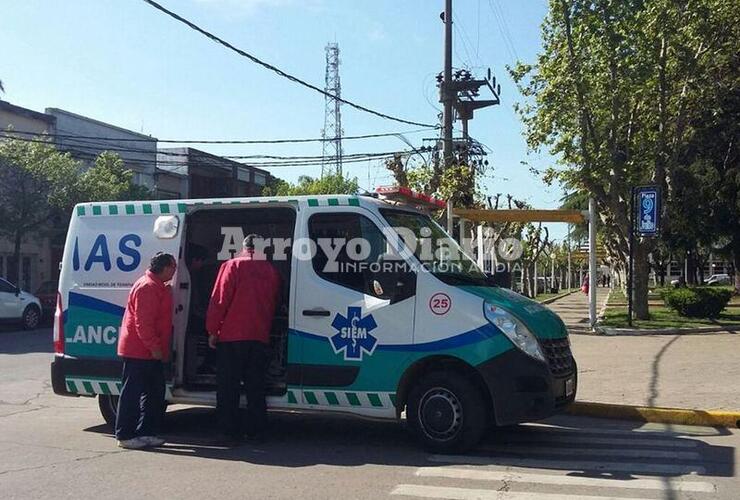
125,63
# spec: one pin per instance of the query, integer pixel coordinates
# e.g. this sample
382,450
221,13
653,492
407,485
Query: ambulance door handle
316,312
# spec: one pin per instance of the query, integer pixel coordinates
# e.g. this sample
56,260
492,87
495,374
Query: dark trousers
141,404
241,362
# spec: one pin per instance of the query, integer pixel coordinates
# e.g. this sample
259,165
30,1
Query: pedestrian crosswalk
550,462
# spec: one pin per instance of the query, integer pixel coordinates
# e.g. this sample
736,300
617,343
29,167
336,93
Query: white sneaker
152,440
136,443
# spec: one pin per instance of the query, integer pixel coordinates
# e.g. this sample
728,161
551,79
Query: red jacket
147,322
244,299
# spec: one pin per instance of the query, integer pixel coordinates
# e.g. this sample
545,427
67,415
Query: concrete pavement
677,371
573,309
55,447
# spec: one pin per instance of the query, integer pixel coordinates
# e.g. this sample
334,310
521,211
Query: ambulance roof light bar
407,196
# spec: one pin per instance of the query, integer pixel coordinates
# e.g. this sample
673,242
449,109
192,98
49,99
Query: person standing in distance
239,319
144,344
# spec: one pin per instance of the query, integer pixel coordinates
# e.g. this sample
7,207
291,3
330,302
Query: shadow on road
585,447
13,341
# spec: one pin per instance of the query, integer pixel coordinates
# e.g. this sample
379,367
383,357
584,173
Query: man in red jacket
144,343
238,321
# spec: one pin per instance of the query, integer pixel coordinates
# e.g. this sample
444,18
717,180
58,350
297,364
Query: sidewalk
676,371
679,371
573,309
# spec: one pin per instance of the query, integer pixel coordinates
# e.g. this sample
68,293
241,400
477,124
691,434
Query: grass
661,316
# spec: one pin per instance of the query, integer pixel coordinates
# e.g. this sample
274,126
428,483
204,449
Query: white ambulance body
451,350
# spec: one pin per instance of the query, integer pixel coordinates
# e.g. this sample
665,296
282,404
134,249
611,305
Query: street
55,447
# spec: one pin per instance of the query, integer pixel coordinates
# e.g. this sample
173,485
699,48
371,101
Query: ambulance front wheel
446,412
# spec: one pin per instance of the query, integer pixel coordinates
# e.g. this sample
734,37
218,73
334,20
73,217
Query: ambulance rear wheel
108,408
446,412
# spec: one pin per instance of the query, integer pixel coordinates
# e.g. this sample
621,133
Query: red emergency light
406,195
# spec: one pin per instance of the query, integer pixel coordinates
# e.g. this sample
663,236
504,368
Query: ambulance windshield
437,252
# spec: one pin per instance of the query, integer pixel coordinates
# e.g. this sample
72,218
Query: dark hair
160,261
249,241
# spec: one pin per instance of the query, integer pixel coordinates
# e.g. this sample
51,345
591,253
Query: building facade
209,176
92,137
170,173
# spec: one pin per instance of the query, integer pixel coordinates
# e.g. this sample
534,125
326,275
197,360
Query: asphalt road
55,447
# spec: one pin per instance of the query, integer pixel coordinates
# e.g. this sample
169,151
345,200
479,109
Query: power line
80,148
503,28
277,70
220,141
86,144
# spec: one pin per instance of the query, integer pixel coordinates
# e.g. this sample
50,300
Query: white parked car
718,279
18,305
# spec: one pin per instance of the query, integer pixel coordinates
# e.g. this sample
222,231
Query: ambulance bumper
524,390
63,367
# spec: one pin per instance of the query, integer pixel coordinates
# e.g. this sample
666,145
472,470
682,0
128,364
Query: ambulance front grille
559,357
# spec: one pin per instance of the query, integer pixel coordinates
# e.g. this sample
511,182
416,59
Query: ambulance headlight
514,330
166,226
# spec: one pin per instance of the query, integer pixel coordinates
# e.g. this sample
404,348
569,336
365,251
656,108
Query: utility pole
447,97
592,261
570,285
457,93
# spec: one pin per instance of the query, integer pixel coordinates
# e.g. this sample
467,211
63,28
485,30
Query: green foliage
459,183
36,181
697,302
620,92
329,184
110,180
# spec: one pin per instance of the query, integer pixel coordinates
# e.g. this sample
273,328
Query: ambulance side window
346,245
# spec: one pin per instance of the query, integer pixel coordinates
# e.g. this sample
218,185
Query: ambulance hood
540,320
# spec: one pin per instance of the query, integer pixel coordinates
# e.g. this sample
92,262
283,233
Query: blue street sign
648,210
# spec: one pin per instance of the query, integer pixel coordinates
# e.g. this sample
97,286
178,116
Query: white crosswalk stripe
416,490
524,477
572,438
633,467
550,462
595,452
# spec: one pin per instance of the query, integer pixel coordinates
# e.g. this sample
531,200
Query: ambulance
383,315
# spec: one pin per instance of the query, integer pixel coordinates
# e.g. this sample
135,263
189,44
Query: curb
615,332
558,297
679,416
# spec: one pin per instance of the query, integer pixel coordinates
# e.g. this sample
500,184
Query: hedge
697,302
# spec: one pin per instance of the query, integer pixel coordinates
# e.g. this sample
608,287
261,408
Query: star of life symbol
353,335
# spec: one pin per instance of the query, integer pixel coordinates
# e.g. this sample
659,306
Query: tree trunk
17,256
640,282
691,269
736,262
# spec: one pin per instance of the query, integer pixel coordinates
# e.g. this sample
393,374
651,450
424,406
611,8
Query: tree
458,183
613,95
36,183
110,180
334,183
